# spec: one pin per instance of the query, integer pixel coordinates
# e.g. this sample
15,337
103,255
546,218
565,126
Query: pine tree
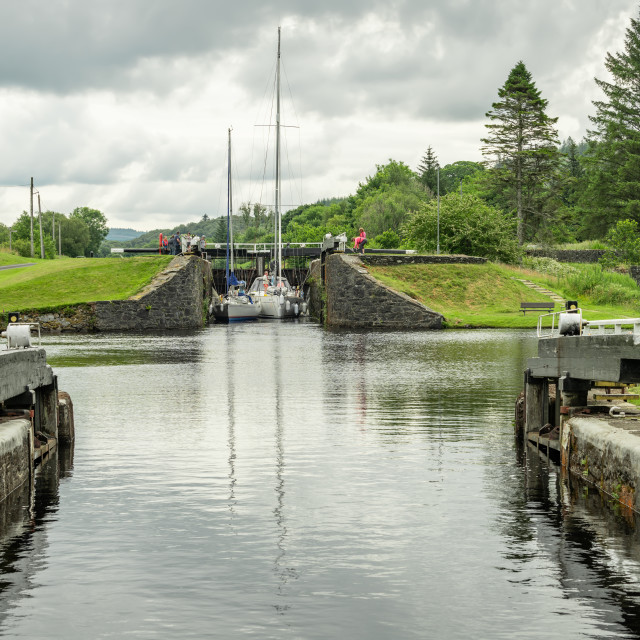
521,147
613,161
220,233
428,170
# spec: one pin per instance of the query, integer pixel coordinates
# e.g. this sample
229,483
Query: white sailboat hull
236,311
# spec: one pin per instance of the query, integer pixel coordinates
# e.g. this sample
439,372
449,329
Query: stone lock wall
355,299
177,298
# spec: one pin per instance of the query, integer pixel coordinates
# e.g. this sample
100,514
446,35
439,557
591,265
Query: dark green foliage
385,200
220,232
521,149
96,223
387,240
624,244
428,170
452,175
613,160
467,226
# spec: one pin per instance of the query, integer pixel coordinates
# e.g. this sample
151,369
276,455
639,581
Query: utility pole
31,210
10,231
53,229
59,240
438,239
40,223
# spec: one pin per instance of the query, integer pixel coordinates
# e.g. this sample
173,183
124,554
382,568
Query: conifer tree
613,161
428,170
521,147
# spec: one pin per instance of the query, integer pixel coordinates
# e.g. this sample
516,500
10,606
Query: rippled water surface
276,480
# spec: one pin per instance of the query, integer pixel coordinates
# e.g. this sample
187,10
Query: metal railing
554,330
262,247
585,327
611,327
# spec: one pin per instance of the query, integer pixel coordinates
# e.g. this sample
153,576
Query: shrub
387,240
624,244
549,266
468,225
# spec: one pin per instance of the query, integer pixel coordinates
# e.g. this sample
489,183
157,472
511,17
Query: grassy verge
485,295
51,284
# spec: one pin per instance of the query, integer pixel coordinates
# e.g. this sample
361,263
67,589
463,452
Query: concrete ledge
606,453
15,452
21,369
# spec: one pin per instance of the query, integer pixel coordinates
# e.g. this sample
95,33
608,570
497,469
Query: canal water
278,480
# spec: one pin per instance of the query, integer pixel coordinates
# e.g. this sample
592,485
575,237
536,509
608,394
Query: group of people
185,243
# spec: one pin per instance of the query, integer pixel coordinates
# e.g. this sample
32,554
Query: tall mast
228,202
278,220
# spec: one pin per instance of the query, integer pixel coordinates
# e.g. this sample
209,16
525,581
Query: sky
125,105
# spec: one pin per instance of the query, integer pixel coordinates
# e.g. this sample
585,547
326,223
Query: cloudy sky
124,105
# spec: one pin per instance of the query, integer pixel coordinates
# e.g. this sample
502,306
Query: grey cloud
449,62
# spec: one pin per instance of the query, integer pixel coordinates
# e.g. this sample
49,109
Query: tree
428,170
613,160
452,175
97,225
220,233
245,210
521,146
383,202
468,225
624,244
76,236
204,218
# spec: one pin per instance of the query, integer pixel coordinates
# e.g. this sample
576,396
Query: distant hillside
120,235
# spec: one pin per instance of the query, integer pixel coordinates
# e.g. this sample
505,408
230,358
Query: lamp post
438,232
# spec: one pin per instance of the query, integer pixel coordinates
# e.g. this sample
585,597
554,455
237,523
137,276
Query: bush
624,244
549,266
468,225
387,240
602,286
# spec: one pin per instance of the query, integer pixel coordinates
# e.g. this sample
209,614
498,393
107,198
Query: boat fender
304,307
281,298
287,306
296,309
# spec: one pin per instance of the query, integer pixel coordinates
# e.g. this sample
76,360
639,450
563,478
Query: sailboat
236,305
278,299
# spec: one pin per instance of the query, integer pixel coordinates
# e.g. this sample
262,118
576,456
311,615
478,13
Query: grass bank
487,295
53,284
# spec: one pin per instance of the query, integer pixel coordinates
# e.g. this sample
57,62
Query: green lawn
51,284
486,295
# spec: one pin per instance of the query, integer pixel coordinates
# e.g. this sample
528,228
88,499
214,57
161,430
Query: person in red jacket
360,241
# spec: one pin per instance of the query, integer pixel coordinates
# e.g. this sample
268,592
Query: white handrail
611,327
589,327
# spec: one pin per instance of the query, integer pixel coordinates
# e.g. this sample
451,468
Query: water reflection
278,480
24,516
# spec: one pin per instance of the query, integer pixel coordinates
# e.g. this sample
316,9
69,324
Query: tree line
80,233
529,188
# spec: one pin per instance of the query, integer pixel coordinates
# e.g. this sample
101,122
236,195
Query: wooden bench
537,306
